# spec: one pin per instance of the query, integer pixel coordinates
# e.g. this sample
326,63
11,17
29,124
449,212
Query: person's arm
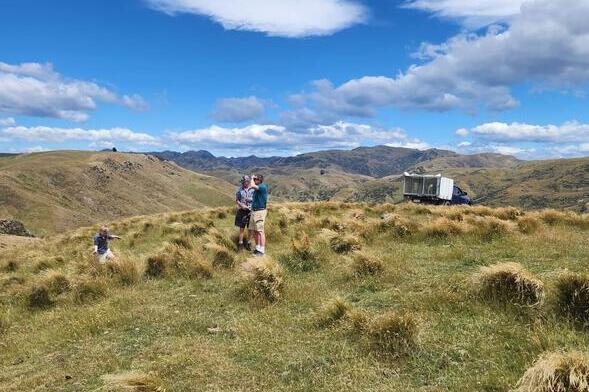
95,251
114,237
253,185
239,203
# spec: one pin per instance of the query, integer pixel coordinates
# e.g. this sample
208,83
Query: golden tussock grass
488,228
221,256
528,224
510,282
364,264
56,282
393,333
556,217
261,279
135,381
442,228
344,243
176,260
220,238
301,257
39,297
359,320
332,311
557,372
157,265
9,266
125,270
88,290
5,321
572,296
397,225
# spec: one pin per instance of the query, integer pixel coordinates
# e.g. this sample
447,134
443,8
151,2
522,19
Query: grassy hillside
61,190
351,297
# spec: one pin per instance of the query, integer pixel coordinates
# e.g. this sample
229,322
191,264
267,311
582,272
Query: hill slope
65,189
364,304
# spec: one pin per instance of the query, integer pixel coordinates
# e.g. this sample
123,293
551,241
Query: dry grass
88,290
510,282
56,282
393,333
528,224
157,265
135,381
261,279
572,296
302,257
39,296
488,228
221,256
364,264
557,372
397,225
125,270
332,311
442,228
344,243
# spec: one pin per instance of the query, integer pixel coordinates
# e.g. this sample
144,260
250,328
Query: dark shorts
242,218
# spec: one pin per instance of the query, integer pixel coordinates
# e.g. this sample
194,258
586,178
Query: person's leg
241,232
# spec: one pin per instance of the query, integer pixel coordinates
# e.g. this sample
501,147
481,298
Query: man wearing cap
243,199
258,216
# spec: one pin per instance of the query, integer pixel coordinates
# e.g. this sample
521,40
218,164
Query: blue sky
265,77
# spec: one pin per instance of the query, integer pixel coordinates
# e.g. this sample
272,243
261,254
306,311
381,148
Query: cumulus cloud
546,45
237,110
279,139
569,132
284,18
52,134
35,89
472,12
7,122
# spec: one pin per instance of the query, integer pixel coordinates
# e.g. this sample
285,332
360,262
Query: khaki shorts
103,258
257,219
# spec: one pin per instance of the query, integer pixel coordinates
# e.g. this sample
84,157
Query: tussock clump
56,282
528,224
183,242
510,282
332,311
572,296
221,256
39,296
261,279
359,320
344,243
198,229
397,225
442,228
47,263
198,267
555,217
302,257
557,372
89,290
220,238
507,213
134,381
9,266
157,265
4,321
488,228
127,271
364,264
393,333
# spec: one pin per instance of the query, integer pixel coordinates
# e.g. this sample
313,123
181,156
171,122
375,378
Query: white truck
433,190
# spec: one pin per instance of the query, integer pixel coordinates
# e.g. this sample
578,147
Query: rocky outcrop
14,227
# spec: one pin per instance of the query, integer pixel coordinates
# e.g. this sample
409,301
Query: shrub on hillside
344,243
332,311
364,264
39,296
56,282
572,296
393,334
510,282
528,224
301,257
88,290
557,372
127,271
261,279
221,256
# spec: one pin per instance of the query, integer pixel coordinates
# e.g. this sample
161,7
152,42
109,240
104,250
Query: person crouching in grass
243,199
101,249
258,216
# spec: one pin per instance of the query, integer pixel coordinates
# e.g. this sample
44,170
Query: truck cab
460,197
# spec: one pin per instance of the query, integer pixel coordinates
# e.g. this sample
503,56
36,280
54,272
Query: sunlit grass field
350,297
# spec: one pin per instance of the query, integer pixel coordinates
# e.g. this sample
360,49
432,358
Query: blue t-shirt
260,197
245,196
102,243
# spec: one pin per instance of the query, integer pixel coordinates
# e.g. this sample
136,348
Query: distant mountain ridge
377,162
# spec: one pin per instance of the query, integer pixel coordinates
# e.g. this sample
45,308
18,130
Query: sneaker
248,246
257,253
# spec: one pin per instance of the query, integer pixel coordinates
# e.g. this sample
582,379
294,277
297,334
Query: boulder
14,227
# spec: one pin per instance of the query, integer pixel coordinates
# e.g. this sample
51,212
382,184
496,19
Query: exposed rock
13,227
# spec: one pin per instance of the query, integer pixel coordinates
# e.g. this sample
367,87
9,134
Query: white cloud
30,150
35,89
51,134
462,132
473,12
546,46
279,139
284,18
7,122
568,132
238,109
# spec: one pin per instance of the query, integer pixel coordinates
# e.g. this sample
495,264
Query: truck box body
428,187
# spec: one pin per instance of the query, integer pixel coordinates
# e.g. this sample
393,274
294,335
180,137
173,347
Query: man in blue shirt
243,199
101,249
258,216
